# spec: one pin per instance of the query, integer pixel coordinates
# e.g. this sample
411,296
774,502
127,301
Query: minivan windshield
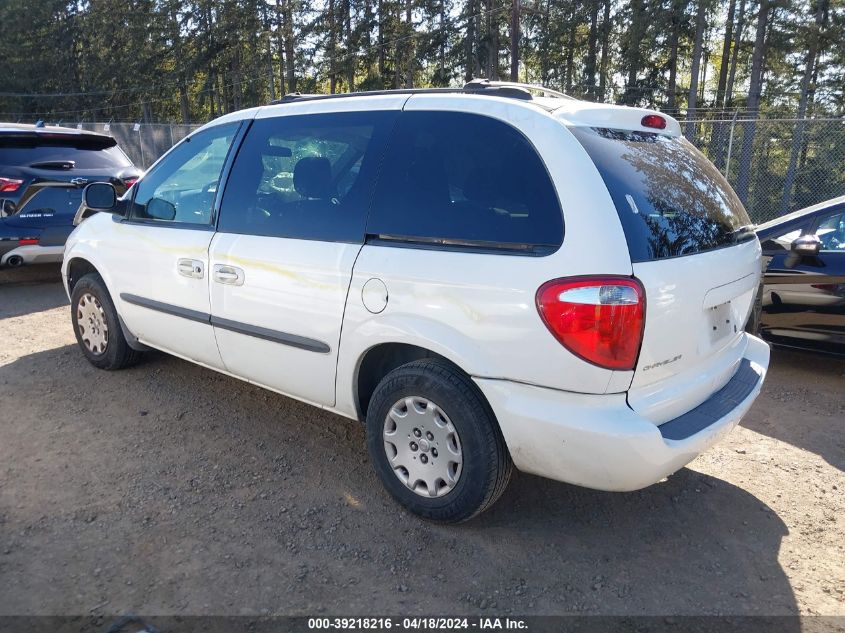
671,200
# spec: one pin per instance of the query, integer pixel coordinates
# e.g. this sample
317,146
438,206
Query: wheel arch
79,266
379,360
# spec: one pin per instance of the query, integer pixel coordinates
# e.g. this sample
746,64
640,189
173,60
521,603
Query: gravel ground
171,489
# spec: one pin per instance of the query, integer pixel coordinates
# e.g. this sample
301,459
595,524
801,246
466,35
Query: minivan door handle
230,275
190,268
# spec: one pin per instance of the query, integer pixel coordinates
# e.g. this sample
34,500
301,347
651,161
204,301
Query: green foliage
191,60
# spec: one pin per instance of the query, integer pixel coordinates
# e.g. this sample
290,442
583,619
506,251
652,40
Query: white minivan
488,276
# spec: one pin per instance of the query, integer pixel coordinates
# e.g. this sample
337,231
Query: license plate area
722,322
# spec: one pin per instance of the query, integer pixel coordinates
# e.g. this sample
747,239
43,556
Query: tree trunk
409,45
397,70
810,62
514,40
280,45
635,35
351,58
718,140
695,69
605,51
380,37
726,55
570,52
740,27
544,58
678,9
290,50
592,52
332,48
492,41
368,24
470,40
753,104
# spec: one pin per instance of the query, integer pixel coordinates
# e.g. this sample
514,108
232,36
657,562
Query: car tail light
9,184
653,120
599,319
128,182
28,241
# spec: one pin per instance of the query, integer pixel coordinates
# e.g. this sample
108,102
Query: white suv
486,277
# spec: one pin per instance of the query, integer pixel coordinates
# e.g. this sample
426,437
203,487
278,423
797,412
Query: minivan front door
160,249
291,226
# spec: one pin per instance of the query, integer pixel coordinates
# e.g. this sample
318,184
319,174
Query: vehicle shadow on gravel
803,404
169,488
30,289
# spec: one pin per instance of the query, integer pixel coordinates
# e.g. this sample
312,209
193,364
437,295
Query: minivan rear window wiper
744,232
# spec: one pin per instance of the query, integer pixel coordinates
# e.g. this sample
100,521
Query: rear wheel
97,327
434,442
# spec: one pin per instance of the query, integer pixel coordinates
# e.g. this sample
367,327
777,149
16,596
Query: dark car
43,170
803,299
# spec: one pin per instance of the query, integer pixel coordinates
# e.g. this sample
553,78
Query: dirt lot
171,489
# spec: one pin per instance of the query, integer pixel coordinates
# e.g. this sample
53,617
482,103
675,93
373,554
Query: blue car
803,299
43,170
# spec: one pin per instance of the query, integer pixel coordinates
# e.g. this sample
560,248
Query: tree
753,103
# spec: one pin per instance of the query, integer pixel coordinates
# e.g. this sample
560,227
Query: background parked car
803,302
43,170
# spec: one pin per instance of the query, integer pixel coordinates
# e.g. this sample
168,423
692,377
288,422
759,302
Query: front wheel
97,327
434,442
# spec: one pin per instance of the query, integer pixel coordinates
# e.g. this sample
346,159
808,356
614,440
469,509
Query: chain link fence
775,165
142,142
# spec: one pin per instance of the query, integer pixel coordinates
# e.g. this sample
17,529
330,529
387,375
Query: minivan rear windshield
671,200
87,152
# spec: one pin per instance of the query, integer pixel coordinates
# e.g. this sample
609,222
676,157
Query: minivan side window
306,176
181,188
461,180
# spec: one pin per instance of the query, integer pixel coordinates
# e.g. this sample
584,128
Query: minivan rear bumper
598,441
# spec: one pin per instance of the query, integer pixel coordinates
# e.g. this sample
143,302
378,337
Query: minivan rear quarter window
460,180
671,200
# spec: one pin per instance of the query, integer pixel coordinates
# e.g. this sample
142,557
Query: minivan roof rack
487,84
476,86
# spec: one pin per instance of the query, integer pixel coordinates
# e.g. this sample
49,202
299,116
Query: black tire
486,467
117,353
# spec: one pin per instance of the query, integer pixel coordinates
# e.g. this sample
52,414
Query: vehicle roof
796,215
27,128
569,110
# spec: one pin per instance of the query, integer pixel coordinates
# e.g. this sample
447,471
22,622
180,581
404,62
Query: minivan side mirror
806,246
100,196
159,209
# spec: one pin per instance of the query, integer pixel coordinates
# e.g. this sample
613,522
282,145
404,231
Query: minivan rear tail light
599,319
653,120
28,241
7,185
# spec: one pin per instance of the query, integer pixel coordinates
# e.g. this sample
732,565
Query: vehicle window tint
671,200
784,241
306,176
182,186
459,179
25,152
831,231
